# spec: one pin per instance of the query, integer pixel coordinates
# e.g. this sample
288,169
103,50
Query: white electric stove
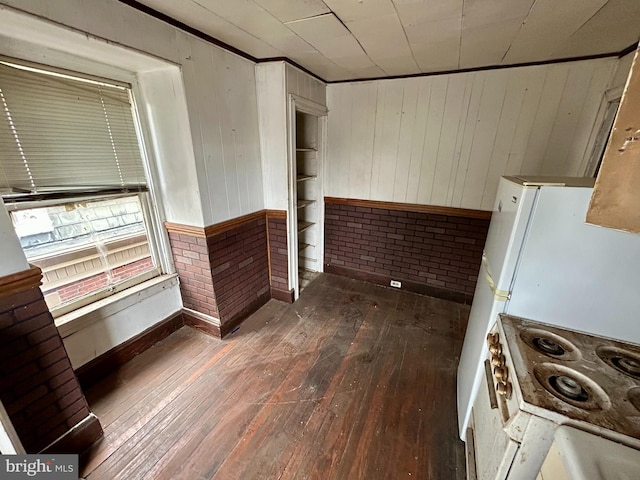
539,377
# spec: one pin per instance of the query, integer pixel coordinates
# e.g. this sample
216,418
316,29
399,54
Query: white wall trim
305,105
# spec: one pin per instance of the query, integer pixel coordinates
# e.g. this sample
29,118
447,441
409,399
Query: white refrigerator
543,262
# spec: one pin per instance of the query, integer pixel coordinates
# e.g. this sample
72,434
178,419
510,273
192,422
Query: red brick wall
438,251
37,384
101,280
224,270
278,253
191,259
240,269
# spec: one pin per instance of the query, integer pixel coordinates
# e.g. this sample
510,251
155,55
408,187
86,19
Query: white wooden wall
304,85
447,139
270,85
220,93
275,80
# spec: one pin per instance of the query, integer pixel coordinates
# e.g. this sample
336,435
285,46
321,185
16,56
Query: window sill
83,317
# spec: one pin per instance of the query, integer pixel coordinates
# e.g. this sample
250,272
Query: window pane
85,247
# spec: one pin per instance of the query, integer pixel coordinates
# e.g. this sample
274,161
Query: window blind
59,133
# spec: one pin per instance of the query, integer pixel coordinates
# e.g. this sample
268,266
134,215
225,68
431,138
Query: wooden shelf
302,178
305,203
306,149
302,226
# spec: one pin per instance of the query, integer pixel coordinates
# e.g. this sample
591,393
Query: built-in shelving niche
308,195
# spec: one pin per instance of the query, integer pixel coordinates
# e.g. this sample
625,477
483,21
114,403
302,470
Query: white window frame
152,208
109,290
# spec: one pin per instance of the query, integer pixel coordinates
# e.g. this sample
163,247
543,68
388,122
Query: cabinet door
616,195
494,449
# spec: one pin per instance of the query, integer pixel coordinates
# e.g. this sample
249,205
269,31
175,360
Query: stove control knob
493,338
504,389
501,373
497,360
496,349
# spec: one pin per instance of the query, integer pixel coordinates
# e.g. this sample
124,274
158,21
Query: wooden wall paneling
363,108
465,91
442,175
341,181
319,92
564,127
465,132
535,83
303,85
509,115
378,140
270,86
470,122
338,148
417,139
407,130
432,138
198,72
390,133
583,141
240,92
491,104
225,129
554,84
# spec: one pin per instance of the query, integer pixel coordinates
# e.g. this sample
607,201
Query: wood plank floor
352,381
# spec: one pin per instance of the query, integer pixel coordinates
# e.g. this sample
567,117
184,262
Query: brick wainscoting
38,387
191,259
240,268
228,270
431,250
278,255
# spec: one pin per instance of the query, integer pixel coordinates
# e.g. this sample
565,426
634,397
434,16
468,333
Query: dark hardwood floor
352,381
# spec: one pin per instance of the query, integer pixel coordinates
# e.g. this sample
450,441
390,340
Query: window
73,179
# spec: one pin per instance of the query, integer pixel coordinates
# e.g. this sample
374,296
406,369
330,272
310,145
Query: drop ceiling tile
488,28
200,18
478,12
288,10
322,66
352,10
549,24
417,12
596,36
385,42
400,37
437,55
433,28
250,17
327,34
486,44
332,39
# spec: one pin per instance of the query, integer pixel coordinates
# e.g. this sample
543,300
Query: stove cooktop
581,376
